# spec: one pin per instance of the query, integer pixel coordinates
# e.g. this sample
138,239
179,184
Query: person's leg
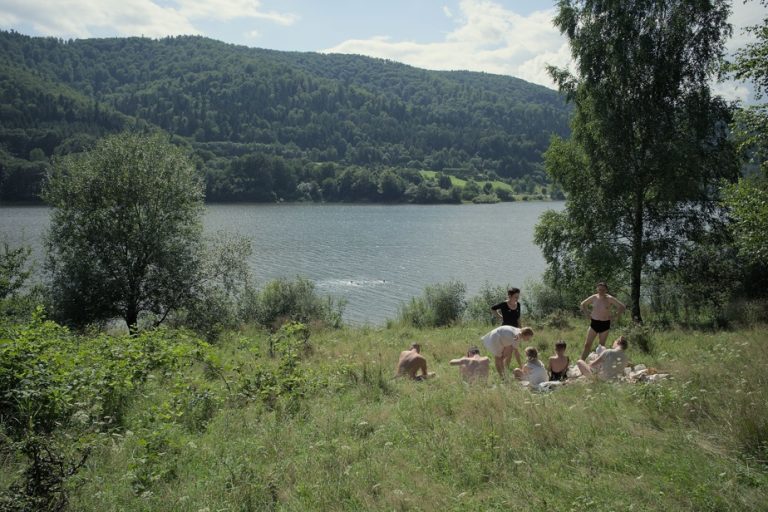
422,367
584,368
603,337
588,343
499,362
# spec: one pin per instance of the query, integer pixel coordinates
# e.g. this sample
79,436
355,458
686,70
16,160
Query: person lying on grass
503,342
473,366
533,371
609,364
411,362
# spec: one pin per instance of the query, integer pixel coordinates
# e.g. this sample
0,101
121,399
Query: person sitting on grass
533,371
502,342
609,364
558,363
411,362
473,366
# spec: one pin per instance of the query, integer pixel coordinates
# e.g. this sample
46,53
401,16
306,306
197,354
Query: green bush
543,300
479,306
439,305
640,336
295,300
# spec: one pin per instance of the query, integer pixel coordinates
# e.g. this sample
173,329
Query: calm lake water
375,256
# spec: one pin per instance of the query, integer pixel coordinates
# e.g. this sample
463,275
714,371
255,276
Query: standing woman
509,310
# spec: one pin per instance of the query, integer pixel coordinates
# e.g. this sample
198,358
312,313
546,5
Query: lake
375,256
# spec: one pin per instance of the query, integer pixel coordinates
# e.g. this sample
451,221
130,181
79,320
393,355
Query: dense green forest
267,125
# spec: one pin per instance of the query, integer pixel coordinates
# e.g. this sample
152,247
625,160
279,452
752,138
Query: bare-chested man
600,316
411,362
473,366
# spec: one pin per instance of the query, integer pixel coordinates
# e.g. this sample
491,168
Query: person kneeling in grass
473,366
503,342
609,364
411,362
533,371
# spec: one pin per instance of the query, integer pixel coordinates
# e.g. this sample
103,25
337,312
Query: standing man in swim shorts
600,316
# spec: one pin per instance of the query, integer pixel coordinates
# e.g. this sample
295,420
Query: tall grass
320,423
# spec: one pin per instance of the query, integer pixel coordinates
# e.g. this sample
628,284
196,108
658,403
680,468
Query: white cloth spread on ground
612,363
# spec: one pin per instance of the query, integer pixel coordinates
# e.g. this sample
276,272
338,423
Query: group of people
504,343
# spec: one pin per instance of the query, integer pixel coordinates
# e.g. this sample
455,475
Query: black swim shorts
600,325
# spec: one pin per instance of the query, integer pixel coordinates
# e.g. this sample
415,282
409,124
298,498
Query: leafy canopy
649,141
125,234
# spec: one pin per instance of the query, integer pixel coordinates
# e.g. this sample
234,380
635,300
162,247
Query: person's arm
496,308
458,362
620,307
584,305
517,357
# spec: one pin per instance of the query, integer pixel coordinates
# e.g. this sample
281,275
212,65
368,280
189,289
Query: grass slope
352,438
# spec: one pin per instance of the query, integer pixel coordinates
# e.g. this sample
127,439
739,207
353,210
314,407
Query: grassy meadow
321,425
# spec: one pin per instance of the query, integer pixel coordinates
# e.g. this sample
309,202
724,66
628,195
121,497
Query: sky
510,37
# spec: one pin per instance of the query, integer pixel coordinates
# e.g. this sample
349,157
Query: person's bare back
473,367
411,362
558,363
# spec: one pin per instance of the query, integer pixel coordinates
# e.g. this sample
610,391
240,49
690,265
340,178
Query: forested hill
267,124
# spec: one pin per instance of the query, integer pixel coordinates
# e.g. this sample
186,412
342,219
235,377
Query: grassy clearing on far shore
352,438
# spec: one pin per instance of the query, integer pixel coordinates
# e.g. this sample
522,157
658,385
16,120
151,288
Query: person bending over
503,342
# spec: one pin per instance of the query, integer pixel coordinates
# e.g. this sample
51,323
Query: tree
649,142
748,199
126,233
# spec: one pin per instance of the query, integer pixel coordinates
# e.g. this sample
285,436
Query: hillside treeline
291,111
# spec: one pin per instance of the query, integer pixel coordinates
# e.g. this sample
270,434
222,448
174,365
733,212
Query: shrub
441,304
543,300
479,306
640,336
297,300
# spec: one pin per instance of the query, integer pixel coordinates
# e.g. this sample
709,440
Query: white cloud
253,34
494,39
231,9
487,38
153,18
447,11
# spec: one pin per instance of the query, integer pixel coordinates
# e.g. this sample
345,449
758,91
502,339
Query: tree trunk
132,319
637,257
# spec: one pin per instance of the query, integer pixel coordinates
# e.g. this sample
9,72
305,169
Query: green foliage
125,234
440,305
747,202
479,306
59,394
257,118
283,300
640,336
648,147
223,284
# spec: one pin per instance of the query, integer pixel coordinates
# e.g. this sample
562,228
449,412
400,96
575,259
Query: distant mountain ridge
228,102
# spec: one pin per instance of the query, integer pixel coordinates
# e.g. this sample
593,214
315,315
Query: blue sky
513,37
